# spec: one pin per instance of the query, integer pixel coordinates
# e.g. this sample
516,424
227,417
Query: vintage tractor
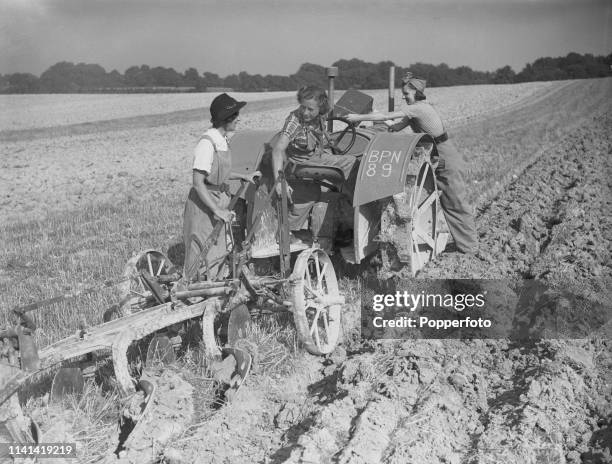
388,209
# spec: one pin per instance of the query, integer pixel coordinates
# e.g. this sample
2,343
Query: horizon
181,71
117,34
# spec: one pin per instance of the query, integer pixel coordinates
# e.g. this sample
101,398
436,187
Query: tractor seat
327,175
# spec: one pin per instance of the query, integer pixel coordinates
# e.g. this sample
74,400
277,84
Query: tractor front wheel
316,301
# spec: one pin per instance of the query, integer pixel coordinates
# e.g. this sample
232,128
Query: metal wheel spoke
161,266
311,291
317,266
417,198
150,264
426,238
322,274
326,324
315,321
307,281
138,293
426,204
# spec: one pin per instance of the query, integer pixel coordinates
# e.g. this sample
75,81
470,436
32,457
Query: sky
277,36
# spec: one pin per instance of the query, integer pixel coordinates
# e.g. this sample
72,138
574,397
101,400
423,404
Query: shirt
424,118
204,151
304,137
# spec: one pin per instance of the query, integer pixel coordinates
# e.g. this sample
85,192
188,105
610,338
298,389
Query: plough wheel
134,294
316,301
413,224
160,351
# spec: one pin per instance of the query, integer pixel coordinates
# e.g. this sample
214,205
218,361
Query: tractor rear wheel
413,228
316,301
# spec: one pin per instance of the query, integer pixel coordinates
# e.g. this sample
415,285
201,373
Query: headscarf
416,83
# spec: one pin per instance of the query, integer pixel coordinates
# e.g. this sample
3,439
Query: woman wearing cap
422,117
209,197
304,140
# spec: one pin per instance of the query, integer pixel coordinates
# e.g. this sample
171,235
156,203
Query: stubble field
79,198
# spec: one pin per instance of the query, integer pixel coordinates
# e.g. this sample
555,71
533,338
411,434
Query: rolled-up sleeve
291,126
203,156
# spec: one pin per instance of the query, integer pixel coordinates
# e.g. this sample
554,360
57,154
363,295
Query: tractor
388,208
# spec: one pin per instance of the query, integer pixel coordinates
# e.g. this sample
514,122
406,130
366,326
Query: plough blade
160,351
238,324
18,432
241,370
67,381
134,414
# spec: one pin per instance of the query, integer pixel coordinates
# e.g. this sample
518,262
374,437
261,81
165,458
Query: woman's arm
398,126
279,155
200,187
375,116
248,177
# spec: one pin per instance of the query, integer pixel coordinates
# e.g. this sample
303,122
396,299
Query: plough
156,300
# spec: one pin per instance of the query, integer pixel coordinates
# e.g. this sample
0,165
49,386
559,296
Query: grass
71,252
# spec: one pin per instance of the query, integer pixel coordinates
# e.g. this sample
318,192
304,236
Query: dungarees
307,197
450,176
199,220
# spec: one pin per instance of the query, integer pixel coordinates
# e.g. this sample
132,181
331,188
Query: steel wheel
413,223
424,209
316,301
134,294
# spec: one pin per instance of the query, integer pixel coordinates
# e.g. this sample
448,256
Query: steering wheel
337,138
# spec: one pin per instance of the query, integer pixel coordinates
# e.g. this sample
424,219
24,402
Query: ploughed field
78,199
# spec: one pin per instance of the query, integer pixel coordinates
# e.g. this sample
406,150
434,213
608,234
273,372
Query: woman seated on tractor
304,141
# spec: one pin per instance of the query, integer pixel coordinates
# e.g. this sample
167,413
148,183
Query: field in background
46,110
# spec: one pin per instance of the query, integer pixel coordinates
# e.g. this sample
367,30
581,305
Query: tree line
66,77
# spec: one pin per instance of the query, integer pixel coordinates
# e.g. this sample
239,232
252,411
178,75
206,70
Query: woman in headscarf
209,196
422,117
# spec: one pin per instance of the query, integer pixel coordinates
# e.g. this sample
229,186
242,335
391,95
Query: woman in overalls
209,196
450,174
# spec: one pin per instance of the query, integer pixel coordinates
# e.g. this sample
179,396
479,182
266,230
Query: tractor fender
387,160
248,148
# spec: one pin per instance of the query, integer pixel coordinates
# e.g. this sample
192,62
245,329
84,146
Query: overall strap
210,139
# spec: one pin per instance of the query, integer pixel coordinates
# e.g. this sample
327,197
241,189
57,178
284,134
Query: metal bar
168,278
283,227
332,72
209,285
392,88
221,291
